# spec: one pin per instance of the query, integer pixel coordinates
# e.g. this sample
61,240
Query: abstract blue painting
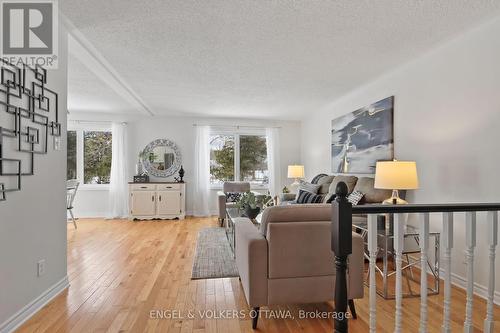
363,137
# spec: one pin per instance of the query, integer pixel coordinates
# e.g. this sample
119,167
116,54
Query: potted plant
252,204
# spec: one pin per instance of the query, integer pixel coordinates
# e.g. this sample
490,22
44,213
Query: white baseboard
33,307
479,289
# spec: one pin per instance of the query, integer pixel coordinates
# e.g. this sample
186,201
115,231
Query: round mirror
161,158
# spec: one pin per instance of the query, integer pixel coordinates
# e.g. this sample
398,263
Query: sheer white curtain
202,171
118,187
273,160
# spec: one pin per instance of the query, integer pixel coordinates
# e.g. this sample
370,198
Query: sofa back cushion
300,249
324,183
372,195
294,213
349,180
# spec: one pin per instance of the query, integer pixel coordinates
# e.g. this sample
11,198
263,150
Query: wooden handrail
426,208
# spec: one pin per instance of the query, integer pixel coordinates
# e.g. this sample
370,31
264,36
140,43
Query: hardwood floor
120,271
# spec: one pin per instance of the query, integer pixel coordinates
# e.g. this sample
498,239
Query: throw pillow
305,186
329,197
372,195
318,177
349,180
355,197
324,183
308,197
233,196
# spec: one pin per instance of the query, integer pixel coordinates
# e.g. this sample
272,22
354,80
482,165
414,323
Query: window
253,159
71,171
96,157
221,158
89,156
238,157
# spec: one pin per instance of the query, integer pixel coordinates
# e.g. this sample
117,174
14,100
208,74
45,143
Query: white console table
157,200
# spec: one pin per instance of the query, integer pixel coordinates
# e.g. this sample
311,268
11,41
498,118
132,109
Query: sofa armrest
356,268
221,199
251,259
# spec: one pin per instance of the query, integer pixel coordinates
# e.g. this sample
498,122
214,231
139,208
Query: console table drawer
169,187
143,187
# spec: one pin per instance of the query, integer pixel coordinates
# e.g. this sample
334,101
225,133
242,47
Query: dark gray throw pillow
330,197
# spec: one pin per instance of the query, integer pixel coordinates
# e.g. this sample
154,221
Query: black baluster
341,247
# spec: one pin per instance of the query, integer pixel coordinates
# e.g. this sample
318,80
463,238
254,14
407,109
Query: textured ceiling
88,93
265,59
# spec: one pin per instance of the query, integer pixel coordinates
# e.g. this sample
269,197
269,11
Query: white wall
143,130
447,118
33,224
182,132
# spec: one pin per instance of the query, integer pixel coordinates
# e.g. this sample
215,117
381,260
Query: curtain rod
236,126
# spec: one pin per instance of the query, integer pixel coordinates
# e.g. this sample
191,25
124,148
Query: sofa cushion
324,183
372,195
307,197
236,187
349,180
294,213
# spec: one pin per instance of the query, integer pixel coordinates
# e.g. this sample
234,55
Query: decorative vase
252,213
181,174
138,168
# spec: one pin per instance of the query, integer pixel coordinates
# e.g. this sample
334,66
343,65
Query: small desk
385,242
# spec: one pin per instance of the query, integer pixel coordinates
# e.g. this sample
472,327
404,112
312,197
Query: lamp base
395,199
294,187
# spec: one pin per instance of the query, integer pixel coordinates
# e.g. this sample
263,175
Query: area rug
214,257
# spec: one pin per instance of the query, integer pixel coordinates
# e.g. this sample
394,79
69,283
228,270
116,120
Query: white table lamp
395,176
296,172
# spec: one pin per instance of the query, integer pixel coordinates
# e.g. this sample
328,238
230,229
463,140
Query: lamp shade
396,175
295,171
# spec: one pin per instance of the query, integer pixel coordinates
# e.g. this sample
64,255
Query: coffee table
233,216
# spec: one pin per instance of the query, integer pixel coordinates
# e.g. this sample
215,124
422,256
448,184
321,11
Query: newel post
341,247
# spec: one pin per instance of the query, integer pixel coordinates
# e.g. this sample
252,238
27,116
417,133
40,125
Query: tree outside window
238,157
89,156
221,158
71,160
97,157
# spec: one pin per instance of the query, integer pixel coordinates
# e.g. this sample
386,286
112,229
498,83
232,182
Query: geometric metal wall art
29,115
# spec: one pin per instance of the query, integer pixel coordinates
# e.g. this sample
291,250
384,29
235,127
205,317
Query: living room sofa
328,184
288,259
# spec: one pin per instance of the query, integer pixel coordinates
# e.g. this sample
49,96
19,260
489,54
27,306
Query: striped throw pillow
308,197
305,186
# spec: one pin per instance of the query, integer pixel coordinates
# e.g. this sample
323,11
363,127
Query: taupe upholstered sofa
289,258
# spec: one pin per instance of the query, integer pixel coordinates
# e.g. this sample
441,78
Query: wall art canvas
363,137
